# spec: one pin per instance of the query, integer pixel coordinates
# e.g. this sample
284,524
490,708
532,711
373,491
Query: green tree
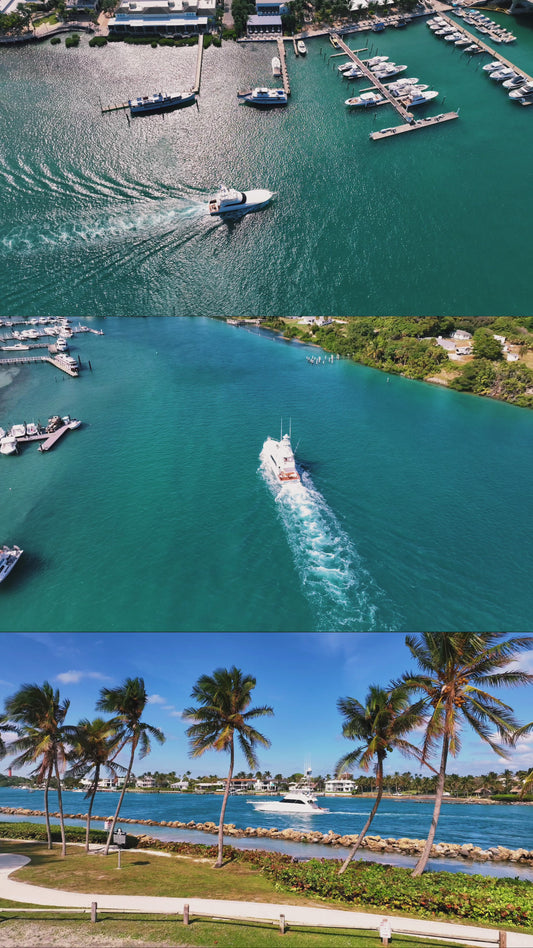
224,711
485,346
93,745
381,726
127,703
456,668
36,714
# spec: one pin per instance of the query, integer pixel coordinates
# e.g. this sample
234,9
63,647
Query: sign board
119,838
385,931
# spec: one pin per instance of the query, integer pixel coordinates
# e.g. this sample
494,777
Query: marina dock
199,60
488,49
284,70
25,360
410,123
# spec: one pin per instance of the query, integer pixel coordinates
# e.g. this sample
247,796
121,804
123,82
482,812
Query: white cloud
176,714
169,707
73,676
156,699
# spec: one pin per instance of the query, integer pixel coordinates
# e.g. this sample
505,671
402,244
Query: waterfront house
265,786
163,17
345,784
145,783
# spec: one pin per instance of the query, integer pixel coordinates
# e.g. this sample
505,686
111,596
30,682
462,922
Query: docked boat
276,66
264,98
296,801
365,101
15,348
8,444
524,90
301,47
378,27
388,71
515,83
71,423
499,75
495,64
18,431
375,61
231,201
418,97
160,102
279,457
32,429
9,557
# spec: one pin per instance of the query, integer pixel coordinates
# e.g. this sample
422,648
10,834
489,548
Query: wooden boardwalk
284,70
199,60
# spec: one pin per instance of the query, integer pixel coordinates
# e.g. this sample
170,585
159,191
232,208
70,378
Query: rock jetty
374,844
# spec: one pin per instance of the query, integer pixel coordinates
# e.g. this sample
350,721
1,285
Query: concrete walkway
218,908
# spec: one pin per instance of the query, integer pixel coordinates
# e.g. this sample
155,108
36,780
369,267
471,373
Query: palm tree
456,669
93,744
380,725
127,703
224,700
521,732
36,713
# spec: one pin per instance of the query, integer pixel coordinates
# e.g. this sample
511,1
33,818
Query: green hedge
73,834
453,894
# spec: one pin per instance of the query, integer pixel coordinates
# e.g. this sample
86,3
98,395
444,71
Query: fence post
502,939
186,914
93,911
282,924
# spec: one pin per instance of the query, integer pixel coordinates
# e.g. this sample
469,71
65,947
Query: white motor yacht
279,458
231,201
525,89
296,801
375,61
490,67
264,98
301,47
9,557
18,431
71,423
418,97
498,75
365,101
8,445
276,66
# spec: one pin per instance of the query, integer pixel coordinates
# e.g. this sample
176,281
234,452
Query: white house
145,783
344,785
263,786
461,334
499,338
511,357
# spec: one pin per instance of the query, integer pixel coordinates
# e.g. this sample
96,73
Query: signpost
385,931
119,839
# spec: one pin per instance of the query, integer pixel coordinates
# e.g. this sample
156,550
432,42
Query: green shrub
55,40
73,40
98,41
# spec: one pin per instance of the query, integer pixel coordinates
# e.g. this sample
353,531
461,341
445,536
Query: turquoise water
482,825
106,216
157,515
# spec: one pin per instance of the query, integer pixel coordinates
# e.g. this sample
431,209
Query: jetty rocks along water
404,846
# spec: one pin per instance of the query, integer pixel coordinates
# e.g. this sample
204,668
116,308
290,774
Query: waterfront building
256,25
345,784
145,783
271,7
164,17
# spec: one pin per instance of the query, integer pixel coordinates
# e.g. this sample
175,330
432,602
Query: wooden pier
283,61
392,100
199,59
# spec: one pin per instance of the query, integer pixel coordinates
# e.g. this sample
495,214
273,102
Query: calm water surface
157,514
106,216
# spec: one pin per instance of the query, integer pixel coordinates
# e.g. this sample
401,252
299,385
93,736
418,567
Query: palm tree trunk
218,864
46,810
421,864
119,804
61,818
94,788
360,838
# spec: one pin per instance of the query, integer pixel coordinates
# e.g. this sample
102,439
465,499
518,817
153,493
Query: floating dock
488,49
412,127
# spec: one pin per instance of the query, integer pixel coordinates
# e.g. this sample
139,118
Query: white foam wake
333,576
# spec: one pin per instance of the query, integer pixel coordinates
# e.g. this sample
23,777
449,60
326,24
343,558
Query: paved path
294,914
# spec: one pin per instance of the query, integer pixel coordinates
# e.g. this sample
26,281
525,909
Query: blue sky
301,675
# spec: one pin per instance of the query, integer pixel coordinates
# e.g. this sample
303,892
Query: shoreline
374,845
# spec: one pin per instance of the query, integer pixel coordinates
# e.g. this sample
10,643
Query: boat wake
332,574
94,228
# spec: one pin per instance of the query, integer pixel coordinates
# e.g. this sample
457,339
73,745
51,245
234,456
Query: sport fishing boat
279,457
276,66
296,801
264,98
301,47
9,557
365,100
160,102
231,201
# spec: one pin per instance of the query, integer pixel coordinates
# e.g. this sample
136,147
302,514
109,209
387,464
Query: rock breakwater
377,844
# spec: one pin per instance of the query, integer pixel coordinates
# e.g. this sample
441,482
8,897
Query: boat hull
149,106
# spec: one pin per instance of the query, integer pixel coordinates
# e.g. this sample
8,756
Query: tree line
451,688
